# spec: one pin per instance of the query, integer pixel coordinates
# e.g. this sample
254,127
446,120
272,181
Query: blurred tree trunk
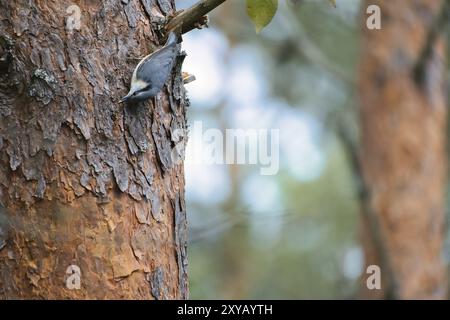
403,118
84,180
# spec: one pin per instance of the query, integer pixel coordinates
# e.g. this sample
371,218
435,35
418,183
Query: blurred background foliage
293,234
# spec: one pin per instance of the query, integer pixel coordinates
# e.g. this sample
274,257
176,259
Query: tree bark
84,180
404,161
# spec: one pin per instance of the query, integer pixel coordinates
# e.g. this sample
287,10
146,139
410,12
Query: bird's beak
124,98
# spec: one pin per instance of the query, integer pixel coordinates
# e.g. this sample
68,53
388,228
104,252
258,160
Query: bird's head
139,91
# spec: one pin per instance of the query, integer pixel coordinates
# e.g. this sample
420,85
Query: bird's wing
156,68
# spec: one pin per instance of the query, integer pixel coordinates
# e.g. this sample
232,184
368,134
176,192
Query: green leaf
333,2
261,12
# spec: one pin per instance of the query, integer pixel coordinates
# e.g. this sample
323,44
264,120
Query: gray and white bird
152,72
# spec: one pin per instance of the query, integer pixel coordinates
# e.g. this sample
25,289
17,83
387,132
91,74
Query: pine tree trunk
403,117
84,180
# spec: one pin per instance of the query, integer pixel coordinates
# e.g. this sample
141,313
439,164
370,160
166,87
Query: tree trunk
403,117
85,181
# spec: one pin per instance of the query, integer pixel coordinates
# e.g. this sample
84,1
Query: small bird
152,72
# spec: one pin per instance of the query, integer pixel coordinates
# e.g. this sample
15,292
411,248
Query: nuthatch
152,72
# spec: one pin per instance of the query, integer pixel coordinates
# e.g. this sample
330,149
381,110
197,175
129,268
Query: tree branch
185,21
310,50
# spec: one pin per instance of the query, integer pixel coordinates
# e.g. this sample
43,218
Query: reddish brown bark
85,180
404,161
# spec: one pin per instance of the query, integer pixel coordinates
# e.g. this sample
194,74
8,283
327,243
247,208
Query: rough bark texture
403,147
85,180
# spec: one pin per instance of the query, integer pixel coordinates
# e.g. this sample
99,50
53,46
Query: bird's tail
172,38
